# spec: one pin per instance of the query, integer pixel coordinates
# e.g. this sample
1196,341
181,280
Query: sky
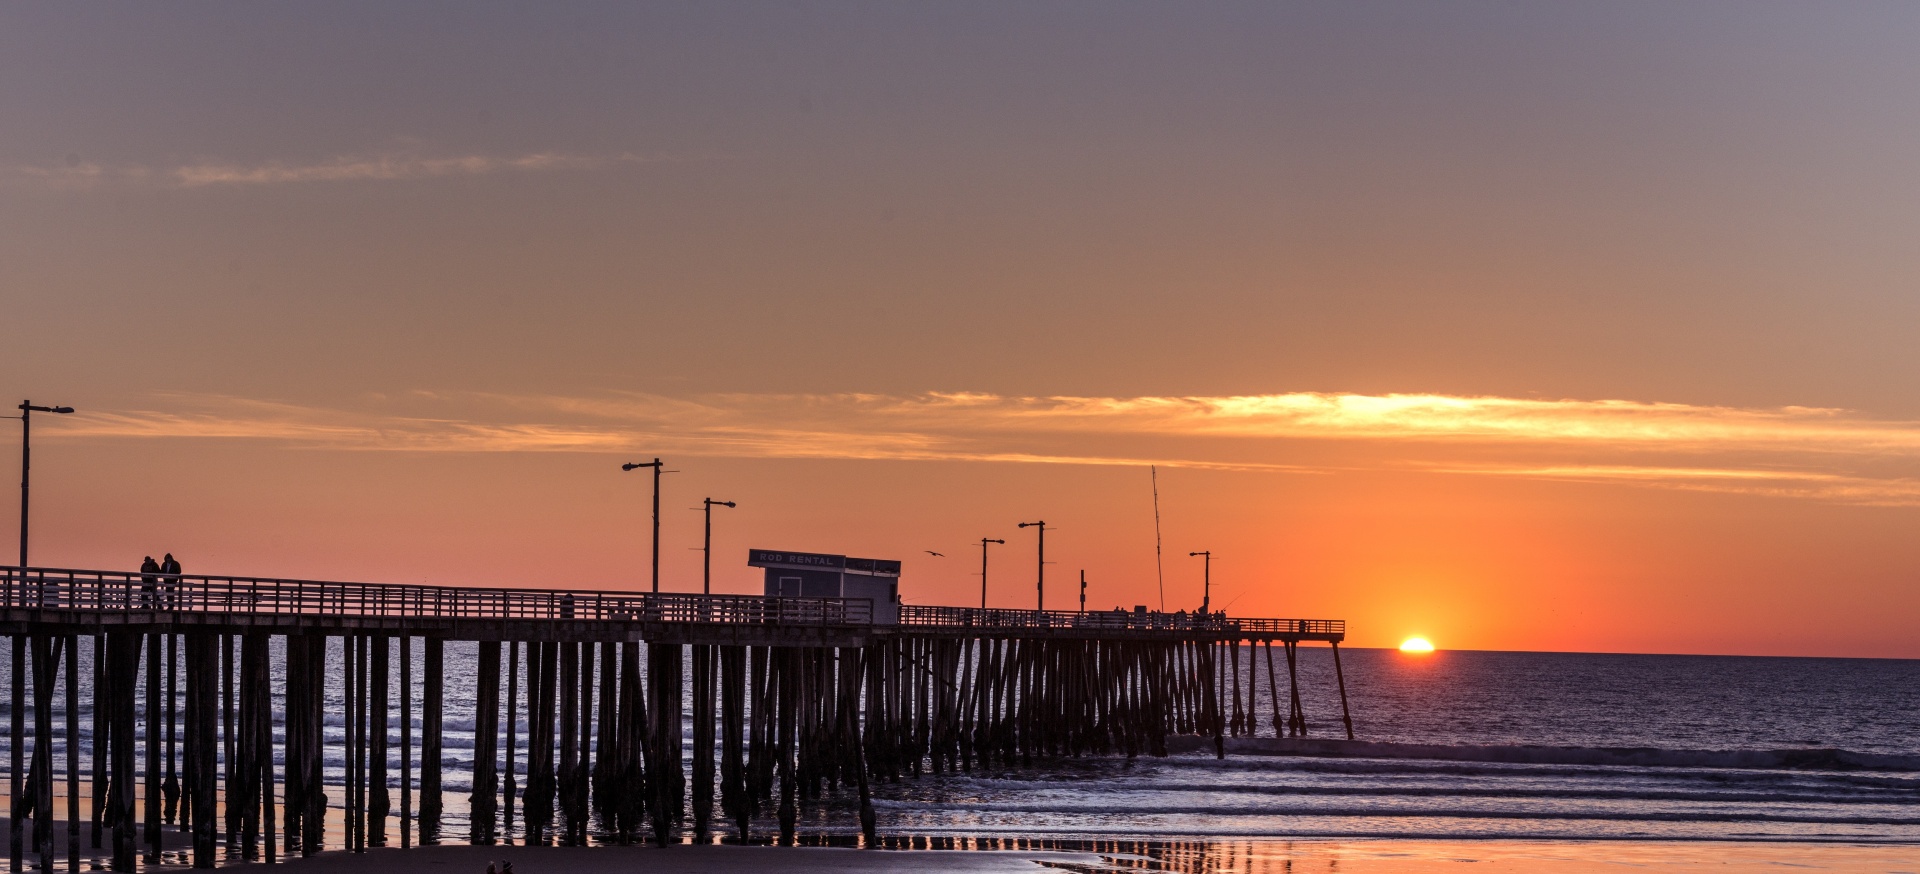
1526,326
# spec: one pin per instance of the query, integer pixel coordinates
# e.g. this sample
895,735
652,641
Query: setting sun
1416,644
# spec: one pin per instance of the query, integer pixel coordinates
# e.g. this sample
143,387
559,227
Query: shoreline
1299,856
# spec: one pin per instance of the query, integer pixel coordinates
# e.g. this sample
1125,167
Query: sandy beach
1367,857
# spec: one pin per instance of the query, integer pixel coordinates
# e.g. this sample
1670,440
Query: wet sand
1252,857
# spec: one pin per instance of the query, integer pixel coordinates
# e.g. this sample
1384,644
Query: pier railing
94,590
68,589
1111,620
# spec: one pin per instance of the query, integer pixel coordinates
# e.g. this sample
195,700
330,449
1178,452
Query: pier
786,698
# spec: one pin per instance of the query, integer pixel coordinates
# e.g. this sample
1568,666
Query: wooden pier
786,699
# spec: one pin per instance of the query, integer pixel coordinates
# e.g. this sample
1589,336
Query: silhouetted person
566,606
149,580
170,571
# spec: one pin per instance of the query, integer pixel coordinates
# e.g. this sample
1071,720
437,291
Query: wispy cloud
1805,452
361,168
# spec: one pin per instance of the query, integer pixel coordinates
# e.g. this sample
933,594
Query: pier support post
73,752
170,785
606,747
486,745
202,743
580,803
542,670
630,797
509,789
46,671
703,694
100,756
122,679
569,705
733,698
406,743
228,746
17,771
1345,714
432,708
786,662
152,806
379,803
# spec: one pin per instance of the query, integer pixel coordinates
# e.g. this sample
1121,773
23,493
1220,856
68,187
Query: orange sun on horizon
1418,645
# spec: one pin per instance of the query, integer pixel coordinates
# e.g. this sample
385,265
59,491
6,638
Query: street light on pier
983,568
1040,583
656,465
1206,596
27,409
706,547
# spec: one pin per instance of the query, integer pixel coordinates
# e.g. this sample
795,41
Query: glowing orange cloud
1788,451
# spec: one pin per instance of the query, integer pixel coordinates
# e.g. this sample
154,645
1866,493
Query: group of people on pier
159,581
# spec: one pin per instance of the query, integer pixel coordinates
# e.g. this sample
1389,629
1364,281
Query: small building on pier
820,575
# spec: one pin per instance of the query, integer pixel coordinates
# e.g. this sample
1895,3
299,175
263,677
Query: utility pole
27,409
983,568
706,548
655,464
1206,597
1040,583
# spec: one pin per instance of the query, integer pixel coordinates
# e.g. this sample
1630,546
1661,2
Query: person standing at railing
149,581
170,576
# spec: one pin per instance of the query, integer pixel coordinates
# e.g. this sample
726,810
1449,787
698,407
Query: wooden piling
222,770
406,744
98,808
73,752
509,789
122,677
380,803
432,710
629,800
46,670
703,695
483,820
170,784
1345,714
606,751
542,677
733,699
580,803
568,704
152,807
202,737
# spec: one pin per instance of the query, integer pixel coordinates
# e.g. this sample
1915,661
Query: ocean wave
1212,810
1814,759
1574,793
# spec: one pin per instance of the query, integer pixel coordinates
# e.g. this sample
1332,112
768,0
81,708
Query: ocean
1503,745
1452,745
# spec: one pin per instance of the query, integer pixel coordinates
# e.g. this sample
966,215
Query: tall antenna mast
1157,571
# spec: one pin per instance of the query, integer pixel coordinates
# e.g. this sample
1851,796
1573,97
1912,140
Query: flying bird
934,554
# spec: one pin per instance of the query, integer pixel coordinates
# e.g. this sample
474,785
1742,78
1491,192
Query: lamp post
1206,596
1040,583
27,409
983,568
655,464
1083,590
706,547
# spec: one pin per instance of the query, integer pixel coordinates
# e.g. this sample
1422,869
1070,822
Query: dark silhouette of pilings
775,725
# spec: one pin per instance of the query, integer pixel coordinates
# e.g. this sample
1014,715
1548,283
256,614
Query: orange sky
1516,327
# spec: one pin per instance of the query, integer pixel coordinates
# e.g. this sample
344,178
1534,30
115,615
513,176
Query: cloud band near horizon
1806,452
